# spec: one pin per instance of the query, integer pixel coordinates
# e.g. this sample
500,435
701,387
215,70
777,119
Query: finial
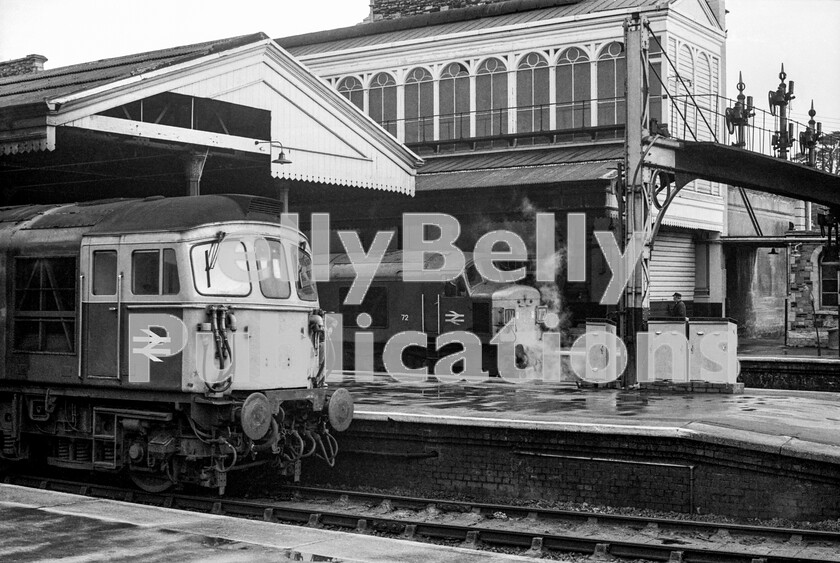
782,74
741,84
812,112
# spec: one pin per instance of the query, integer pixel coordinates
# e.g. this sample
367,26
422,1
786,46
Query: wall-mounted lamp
281,158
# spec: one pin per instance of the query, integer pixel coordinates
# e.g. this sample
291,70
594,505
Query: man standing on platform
678,308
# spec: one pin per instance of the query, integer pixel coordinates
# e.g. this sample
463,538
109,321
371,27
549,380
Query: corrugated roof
520,168
519,158
425,26
524,176
40,86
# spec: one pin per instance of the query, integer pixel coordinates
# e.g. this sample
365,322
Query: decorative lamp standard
780,98
738,117
809,138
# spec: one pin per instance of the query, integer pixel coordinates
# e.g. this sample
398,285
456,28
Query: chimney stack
26,65
395,9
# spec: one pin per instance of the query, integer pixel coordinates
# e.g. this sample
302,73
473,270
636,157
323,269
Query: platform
38,525
763,454
800,423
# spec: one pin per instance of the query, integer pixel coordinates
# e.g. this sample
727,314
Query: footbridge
693,160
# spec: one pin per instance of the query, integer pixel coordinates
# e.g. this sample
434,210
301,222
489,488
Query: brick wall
504,464
802,375
803,275
393,9
26,65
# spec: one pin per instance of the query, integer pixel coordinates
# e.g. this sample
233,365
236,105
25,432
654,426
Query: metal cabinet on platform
662,354
713,350
603,363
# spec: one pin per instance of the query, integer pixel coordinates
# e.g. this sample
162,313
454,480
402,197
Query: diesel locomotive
469,302
173,339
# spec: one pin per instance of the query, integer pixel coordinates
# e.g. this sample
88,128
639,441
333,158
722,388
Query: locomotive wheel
151,482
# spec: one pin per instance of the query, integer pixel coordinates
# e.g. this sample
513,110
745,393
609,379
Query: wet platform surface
801,423
40,526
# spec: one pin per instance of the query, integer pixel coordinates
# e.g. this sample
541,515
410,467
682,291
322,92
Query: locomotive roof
153,214
391,266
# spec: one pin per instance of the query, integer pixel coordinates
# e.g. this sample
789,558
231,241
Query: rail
339,516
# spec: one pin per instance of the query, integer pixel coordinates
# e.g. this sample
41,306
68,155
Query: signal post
637,201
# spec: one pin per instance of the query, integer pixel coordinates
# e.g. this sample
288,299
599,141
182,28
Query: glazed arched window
703,96
454,102
491,102
612,70
419,106
655,88
382,101
351,88
573,80
532,94
684,115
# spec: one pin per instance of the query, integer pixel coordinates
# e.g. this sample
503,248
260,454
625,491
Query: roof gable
697,11
46,84
327,138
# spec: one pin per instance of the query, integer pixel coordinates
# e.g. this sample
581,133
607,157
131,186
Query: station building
487,111
517,107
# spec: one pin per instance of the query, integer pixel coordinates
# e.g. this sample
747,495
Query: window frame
299,290
496,80
45,315
611,71
454,94
351,87
382,101
821,264
95,276
198,267
161,271
419,96
533,79
567,88
284,261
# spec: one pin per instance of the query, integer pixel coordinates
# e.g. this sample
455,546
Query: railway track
576,517
656,539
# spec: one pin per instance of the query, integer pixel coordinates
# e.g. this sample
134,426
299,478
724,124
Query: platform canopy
236,99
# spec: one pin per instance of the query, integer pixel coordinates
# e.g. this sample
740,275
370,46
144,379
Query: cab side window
154,272
105,272
305,282
145,272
